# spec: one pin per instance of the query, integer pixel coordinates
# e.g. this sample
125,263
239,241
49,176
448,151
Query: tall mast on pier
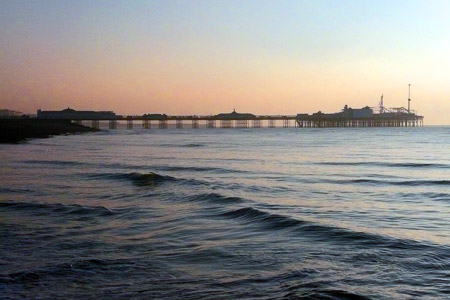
409,97
381,105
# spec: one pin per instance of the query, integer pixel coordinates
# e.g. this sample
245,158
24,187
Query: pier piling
95,124
112,124
256,123
129,124
162,124
241,123
226,123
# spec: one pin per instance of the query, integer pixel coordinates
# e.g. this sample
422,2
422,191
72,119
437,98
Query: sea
251,213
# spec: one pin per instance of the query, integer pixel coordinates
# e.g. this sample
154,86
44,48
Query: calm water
228,214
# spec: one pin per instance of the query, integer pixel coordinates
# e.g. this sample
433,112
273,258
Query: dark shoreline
18,130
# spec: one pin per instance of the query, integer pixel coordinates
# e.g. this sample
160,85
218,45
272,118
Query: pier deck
286,121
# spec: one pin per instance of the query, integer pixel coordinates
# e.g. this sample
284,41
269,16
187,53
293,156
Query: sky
209,56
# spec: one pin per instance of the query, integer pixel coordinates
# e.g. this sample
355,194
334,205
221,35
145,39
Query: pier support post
146,124
272,124
226,123
95,124
129,124
179,123
194,123
256,123
241,123
112,124
162,124
211,123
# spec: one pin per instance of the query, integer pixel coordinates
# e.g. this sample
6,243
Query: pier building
72,114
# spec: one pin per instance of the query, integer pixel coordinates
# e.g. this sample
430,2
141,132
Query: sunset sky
206,57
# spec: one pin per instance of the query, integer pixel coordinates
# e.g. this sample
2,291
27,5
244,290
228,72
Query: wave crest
51,208
215,198
138,179
317,231
386,164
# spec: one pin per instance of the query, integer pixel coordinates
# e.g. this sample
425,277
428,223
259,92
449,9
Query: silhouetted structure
13,130
364,117
234,116
72,114
153,116
347,117
8,113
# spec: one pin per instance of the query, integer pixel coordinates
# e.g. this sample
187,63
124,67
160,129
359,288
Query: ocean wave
375,182
437,196
215,198
144,179
60,270
386,164
324,294
149,179
297,284
255,215
188,145
252,188
400,183
6,190
63,163
198,169
192,145
138,179
421,197
50,208
251,215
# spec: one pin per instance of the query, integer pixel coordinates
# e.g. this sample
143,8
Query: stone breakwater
17,130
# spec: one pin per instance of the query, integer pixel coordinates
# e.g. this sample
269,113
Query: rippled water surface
347,213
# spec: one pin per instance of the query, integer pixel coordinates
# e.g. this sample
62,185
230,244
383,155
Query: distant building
346,113
155,116
234,116
365,112
72,114
7,113
300,116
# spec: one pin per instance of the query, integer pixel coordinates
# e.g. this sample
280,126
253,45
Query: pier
318,120
376,121
346,118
